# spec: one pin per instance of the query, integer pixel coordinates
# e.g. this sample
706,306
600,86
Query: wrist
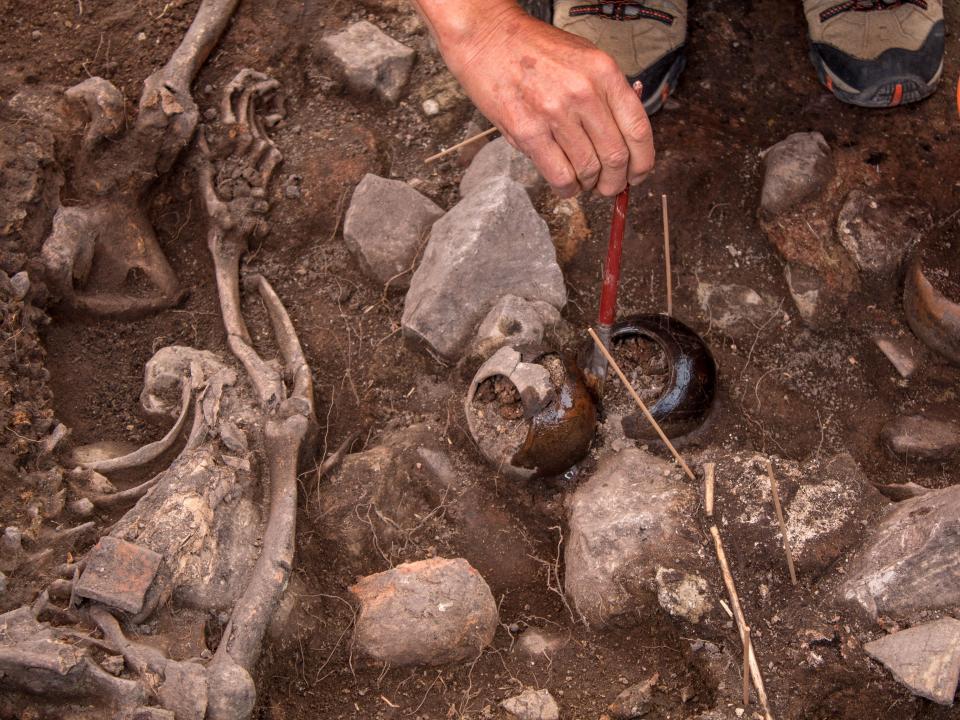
464,28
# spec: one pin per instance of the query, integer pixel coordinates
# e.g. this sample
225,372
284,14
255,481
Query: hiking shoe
647,39
877,53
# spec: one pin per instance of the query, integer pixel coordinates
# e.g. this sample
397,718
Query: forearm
462,28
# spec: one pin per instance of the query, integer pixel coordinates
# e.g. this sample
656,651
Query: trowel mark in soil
645,365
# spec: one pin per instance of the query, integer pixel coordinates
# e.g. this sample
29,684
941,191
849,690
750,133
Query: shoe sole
895,77
891,92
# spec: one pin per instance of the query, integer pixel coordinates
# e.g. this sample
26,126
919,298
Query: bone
288,342
124,497
204,32
150,452
243,636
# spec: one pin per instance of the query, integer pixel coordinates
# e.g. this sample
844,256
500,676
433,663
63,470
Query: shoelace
868,6
623,10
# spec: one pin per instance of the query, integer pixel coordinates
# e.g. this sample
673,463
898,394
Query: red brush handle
611,269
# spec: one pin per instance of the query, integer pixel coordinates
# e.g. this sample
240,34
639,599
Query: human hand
557,98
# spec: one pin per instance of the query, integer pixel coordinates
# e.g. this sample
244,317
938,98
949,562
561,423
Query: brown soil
940,259
786,390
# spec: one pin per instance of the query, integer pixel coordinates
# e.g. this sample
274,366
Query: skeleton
195,535
102,255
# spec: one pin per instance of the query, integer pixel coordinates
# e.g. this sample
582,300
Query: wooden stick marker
750,656
666,254
708,479
454,148
775,492
639,402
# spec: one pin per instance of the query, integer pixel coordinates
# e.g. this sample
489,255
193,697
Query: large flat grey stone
492,243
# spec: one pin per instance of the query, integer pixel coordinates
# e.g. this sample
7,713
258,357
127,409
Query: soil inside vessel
498,418
645,365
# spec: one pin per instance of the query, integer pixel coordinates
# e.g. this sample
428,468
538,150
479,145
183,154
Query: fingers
611,149
542,148
580,152
634,126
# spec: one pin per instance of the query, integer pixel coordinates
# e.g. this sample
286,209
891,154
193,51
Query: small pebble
431,107
35,34
141,36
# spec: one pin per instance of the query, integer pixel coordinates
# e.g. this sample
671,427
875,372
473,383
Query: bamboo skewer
454,148
639,402
775,492
666,254
708,478
741,621
745,638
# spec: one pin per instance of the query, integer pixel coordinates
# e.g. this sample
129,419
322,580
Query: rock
911,562
922,437
683,595
827,502
801,198
403,476
3,583
11,548
538,643
735,309
634,702
118,574
52,442
902,491
879,232
795,169
532,705
430,612
21,285
81,507
925,658
633,516
493,243
370,60
499,159
468,152
570,227
901,352
807,289
513,321
385,227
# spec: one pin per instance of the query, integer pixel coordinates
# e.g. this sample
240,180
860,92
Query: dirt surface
785,389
